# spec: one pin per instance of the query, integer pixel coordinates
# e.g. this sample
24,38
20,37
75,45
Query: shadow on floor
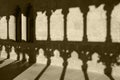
13,69
41,73
1,61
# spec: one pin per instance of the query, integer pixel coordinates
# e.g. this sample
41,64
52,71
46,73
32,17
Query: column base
108,39
85,39
65,39
48,39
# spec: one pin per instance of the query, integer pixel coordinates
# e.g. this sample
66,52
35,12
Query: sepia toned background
96,32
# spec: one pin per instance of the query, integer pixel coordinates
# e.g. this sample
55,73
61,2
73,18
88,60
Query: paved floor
17,70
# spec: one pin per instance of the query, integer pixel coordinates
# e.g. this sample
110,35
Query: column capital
65,11
84,9
7,17
30,12
48,12
108,8
34,15
17,11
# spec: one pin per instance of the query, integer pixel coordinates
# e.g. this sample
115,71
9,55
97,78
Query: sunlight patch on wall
41,26
23,27
3,28
12,27
115,26
96,24
56,26
75,24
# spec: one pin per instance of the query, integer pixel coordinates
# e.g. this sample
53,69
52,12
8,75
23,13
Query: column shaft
85,39
18,28
8,18
48,14
108,36
30,29
65,14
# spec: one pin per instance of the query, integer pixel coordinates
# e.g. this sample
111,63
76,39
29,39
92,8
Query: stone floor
17,70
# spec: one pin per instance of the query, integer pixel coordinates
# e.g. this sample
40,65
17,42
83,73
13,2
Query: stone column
31,18
65,12
85,10
30,31
109,9
48,14
8,18
18,28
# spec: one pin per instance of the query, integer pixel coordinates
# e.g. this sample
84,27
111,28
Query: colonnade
31,20
84,48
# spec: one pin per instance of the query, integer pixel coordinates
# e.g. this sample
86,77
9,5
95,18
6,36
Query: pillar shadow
1,61
107,61
47,54
84,69
65,54
85,56
17,51
10,71
8,49
63,72
41,73
108,72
